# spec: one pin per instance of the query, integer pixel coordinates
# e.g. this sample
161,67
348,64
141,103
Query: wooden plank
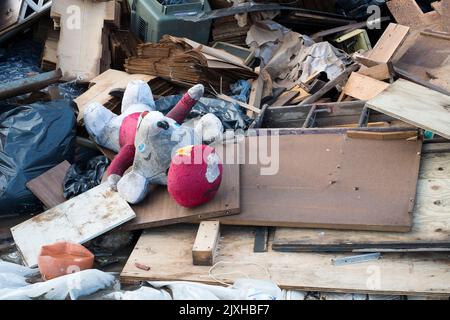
431,222
329,185
48,187
362,87
405,135
160,209
388,44
416,105
378,72
249,107
102,85
206,243
79,220
426,274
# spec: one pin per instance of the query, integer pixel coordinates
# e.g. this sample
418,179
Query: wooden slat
378,72
206,242
168,252
415,104
160,209
388,44
48,187
79,220
324,181
405,135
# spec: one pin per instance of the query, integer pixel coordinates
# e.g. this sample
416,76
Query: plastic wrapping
84,176
33,139
230,114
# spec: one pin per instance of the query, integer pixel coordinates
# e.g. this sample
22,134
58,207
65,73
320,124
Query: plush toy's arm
185,105
122,161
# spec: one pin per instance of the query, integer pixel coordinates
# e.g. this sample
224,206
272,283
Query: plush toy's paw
113,180
209,129
196,92
133,187
96,119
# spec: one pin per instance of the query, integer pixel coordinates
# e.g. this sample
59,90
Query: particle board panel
48,187
160,209
331,181
79,220
388,44
431,221
168,253
416,105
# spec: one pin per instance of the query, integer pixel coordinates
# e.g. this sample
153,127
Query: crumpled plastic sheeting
82,177
242,289
229,114
143,293
13,285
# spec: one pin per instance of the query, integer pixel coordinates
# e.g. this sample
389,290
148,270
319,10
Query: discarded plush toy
146,138
194,176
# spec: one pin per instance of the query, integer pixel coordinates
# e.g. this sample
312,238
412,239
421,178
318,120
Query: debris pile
298,147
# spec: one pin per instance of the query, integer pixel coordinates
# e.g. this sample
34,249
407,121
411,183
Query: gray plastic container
150,20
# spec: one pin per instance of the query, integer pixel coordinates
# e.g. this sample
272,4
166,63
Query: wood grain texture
388,44
379,72
363,87
431,221
416,105
48,187
159,209
331,181
206,242
168,252
79,220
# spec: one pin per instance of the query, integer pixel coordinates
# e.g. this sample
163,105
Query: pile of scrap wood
342,177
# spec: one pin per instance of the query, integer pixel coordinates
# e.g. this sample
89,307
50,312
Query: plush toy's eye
141,147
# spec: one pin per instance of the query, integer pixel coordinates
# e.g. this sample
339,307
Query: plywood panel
168,252
431,220
48,187
331,181
160,209
415,104
79,219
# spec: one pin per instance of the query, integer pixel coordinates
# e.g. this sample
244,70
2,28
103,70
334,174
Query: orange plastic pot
62,258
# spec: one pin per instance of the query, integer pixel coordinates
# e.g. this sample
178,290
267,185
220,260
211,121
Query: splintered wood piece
48,187
206,242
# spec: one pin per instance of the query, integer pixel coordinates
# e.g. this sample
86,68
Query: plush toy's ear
137,92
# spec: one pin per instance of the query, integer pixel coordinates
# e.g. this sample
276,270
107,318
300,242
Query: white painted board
79,220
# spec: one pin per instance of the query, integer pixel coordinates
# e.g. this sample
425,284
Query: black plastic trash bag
33,139
229,114
84,176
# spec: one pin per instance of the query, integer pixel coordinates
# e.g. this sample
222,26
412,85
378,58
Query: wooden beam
206,243
256,95
389,43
